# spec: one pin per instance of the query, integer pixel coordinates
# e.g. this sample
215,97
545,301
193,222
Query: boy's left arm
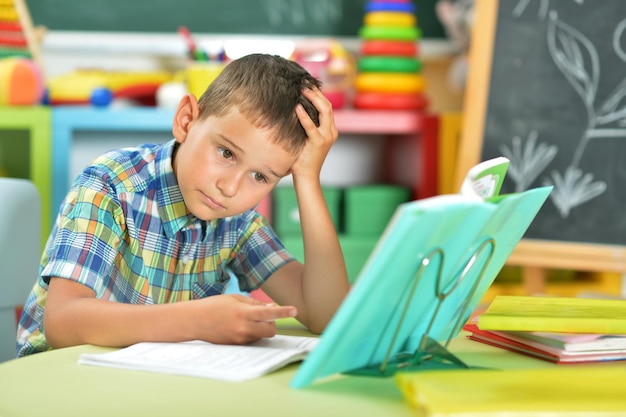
318,287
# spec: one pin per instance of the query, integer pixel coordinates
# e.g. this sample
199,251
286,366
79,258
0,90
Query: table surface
52,383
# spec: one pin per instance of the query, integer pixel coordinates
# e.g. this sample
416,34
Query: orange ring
389,101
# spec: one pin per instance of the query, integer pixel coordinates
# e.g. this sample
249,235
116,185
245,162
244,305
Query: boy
147,237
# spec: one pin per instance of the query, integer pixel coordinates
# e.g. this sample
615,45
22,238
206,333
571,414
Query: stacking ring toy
381,82
376,63
389,19
390,33
389,101
395,48
384,6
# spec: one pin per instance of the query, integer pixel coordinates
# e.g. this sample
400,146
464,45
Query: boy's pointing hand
237,319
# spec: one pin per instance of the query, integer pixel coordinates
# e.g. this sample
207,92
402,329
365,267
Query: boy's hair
265,89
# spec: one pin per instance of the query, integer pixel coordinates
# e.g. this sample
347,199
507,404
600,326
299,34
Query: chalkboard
297,17
552,98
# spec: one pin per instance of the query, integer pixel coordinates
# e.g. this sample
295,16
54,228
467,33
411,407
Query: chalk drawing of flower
573,189
528,159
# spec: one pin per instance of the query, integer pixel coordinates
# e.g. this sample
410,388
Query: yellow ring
379,82
390,19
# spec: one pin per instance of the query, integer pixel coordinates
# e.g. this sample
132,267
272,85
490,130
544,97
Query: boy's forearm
74,316
105,323
325,280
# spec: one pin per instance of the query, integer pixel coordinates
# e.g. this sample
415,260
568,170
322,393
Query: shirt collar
171,206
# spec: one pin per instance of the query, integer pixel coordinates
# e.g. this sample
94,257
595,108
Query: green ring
390,32
388,64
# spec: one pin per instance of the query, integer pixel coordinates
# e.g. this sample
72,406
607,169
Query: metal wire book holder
431,354
430,269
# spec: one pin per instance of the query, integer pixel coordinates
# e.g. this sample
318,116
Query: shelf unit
411,134
25,149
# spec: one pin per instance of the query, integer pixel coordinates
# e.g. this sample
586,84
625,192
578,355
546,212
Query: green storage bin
369,208
286,218
295,246
356,250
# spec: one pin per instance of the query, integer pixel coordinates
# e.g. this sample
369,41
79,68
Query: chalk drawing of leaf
528,160
614,108
576,58
573,189
544,6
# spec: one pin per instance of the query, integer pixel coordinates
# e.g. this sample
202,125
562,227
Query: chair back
20,250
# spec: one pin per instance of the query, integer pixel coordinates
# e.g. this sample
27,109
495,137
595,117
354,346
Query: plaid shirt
124,232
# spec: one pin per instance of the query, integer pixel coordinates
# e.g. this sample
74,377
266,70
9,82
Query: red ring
389,101
398,48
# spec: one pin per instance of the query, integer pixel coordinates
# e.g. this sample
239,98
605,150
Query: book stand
430,354
430,268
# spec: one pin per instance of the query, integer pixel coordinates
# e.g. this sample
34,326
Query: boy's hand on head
320,139
237,319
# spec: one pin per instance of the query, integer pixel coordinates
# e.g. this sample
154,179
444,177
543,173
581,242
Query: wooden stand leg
534,280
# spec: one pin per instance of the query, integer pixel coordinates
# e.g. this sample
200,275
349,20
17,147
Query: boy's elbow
61,329
317,327
54,330
51,331
64,314
316,330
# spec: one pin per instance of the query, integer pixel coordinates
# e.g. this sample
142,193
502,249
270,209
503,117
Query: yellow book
590,391
555,314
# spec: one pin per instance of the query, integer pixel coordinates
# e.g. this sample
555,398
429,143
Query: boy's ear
186,113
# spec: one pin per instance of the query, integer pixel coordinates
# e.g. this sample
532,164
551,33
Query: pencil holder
200,74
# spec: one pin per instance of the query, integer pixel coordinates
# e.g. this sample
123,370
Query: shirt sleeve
88,236
260,254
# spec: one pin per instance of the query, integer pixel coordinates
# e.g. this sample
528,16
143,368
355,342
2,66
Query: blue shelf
66,121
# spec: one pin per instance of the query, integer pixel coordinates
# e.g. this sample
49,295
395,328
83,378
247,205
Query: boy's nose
229,184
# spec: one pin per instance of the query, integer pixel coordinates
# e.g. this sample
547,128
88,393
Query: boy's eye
225,153
259,177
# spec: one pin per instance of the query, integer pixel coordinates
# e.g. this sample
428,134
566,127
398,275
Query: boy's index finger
271,312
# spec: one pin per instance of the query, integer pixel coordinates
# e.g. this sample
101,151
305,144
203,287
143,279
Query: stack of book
556,329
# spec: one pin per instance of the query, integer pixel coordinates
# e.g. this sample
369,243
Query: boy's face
225,165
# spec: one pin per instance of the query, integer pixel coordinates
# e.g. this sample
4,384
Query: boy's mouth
215,205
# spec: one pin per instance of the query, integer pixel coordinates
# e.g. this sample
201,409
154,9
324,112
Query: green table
53,384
